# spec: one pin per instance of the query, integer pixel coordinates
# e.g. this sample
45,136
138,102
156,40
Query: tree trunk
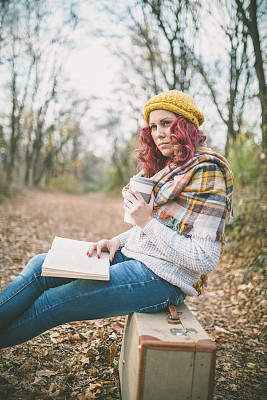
254,33
252,25
13,126
28,162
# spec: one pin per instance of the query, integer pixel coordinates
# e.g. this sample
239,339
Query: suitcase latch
182,332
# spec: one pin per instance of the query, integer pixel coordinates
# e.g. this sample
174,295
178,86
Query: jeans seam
165,302
72,298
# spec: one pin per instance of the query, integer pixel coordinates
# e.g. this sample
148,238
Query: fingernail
88,253
98,256
111,260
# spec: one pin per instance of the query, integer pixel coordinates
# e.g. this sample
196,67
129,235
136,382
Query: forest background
54,134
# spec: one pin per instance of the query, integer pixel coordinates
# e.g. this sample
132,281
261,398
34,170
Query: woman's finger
111,250
113,246
98,250
152,198
130,197
127,203
91,249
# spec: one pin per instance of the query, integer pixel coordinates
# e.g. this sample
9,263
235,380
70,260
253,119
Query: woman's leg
132,287
20,294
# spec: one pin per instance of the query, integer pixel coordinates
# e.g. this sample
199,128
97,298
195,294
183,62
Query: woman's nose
160,131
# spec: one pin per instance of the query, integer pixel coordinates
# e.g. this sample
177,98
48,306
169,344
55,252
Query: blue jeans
32,303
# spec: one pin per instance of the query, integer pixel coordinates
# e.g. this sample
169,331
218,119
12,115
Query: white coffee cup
144,187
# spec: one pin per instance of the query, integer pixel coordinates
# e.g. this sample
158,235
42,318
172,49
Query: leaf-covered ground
79,360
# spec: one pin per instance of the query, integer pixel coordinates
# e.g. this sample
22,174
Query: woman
176,239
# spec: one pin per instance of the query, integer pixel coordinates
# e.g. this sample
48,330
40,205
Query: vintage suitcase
165,361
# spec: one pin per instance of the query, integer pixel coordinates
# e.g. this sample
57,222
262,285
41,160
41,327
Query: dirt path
79,360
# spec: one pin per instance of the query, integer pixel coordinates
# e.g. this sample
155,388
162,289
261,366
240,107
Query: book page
71,245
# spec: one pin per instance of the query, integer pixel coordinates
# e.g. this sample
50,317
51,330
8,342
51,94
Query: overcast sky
92,70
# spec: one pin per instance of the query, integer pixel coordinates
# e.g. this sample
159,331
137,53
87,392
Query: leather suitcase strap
173,317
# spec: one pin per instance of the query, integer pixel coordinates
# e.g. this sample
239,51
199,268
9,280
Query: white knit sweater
177,258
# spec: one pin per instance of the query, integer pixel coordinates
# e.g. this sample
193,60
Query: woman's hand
138,209
111,245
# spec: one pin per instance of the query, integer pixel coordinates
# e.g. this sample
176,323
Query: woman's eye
152,127
166,123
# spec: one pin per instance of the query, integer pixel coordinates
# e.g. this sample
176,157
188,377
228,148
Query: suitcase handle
173,317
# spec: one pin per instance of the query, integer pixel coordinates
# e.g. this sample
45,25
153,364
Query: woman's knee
35,264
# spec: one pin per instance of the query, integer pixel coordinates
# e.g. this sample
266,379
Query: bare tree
249,13
18,90
32,51
161,32
234,59
177,24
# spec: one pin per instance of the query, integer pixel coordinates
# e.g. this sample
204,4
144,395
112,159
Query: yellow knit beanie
176,102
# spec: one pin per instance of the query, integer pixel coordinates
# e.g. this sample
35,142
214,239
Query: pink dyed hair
185,138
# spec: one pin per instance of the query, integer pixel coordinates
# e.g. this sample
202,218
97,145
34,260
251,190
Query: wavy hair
185,139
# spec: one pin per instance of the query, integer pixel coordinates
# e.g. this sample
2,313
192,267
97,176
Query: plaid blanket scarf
196,197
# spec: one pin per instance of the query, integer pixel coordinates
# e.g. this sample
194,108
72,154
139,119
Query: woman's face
160,122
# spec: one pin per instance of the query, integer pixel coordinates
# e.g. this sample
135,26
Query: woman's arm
123,237
196,254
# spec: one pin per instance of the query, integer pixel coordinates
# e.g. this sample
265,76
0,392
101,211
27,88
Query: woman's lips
163,144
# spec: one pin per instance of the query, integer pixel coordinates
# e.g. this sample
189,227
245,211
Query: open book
67,258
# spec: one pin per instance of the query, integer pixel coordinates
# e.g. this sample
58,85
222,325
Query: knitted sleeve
194,254
123,237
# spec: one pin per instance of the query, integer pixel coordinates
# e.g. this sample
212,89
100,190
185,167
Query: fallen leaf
233,387
251,365
76,337
24,367
53,337
84,360
55,393
113,350
118,327
220,329
82,397
46,373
